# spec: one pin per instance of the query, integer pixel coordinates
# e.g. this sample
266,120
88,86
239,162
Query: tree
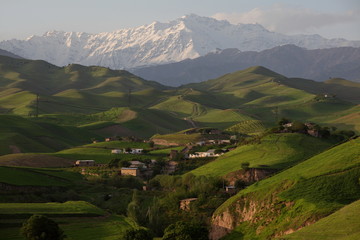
284,121
245,165
185,231
298,127
39,227
138,234
133,209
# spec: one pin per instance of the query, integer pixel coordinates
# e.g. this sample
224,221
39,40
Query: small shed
116,151
84,163
130,172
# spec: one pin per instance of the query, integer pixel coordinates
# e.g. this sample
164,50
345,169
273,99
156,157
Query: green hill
344,224
276,151
20,176
23,135
80,220
298,196
107,101
34,160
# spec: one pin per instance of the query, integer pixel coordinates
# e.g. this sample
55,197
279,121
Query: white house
208,153
116,151
134,151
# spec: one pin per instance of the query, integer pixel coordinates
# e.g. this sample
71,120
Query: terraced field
251,127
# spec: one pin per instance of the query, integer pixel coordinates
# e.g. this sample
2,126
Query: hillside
21,135
277,151
116,103
343,224
296,197
289,60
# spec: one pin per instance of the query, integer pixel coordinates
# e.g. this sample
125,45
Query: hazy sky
329,18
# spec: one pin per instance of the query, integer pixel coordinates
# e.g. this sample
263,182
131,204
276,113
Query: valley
252,154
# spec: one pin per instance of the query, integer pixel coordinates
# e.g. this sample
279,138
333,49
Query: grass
25,135
179,138
344,224
314,189
108,228
221,118
37,177
34,160
276,151
251,127
77,208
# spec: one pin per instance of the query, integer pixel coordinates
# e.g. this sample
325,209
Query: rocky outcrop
258,213
249,175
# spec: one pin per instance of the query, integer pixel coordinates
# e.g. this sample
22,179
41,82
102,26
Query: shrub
138,234
39,227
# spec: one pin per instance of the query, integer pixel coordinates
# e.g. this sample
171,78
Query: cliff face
248,176
243,210
259,213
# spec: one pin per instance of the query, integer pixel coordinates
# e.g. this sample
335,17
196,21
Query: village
144,164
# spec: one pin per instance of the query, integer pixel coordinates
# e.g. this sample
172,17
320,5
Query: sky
330,18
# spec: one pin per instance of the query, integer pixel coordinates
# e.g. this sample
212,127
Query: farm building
130,172
133,151
83,163
137,164
116,151
208,153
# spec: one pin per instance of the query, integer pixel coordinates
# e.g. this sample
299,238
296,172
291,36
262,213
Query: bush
185,231
138,234
39,227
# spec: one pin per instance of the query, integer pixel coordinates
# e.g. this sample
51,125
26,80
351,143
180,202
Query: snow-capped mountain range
190,36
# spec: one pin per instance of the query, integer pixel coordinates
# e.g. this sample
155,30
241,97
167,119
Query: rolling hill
21,135
276,151
288,60
116,103
294,198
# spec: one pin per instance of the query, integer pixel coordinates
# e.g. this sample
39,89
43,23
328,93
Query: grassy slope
76,218
30,136
70,207
276,151
251,127
312,187
34,160
109,228
344,224
37,177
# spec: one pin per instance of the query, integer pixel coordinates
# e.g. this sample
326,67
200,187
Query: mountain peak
187,37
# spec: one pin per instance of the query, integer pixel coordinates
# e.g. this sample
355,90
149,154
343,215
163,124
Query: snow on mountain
188,37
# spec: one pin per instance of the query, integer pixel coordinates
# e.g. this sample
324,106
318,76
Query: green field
275,151
344,224
37,177
68,208
78,219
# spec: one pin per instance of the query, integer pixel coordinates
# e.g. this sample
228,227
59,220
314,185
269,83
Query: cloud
285,19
